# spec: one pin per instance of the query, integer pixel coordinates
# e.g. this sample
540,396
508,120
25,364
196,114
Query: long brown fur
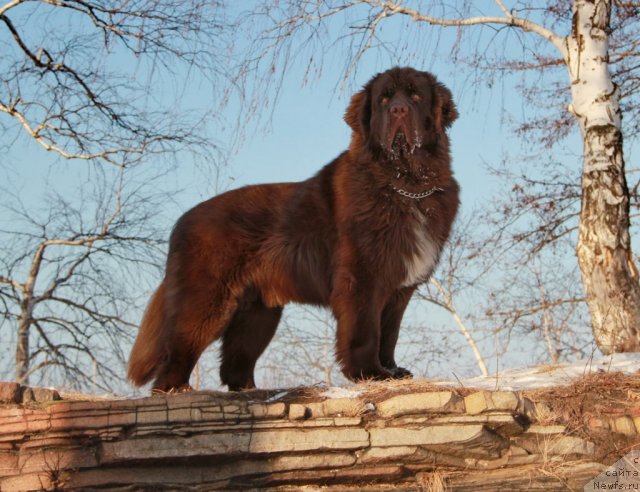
358,237
149,342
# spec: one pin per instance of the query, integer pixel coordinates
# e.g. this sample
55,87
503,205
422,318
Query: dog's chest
423,255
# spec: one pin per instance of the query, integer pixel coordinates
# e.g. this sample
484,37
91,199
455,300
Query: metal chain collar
416,196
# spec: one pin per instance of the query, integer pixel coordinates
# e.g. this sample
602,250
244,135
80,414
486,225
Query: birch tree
609,274
595,41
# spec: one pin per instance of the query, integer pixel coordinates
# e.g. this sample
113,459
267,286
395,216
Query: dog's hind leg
197,316
244,340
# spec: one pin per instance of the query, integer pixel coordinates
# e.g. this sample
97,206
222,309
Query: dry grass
376,391
600,394
611,393
435,481
369,391
544,415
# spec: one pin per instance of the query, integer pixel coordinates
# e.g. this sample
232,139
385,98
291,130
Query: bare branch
519,313
448,305
60,93
10,5
13,283
510,19
36,134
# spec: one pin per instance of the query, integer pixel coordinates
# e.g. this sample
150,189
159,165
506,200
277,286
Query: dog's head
401,110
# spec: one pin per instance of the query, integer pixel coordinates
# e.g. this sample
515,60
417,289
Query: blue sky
307,130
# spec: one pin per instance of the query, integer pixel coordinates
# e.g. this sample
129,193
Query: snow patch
551,375
277,396
334,392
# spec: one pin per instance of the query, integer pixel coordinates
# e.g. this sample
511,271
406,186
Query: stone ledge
16,393
477,441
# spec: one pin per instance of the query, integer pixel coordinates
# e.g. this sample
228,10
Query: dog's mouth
402,139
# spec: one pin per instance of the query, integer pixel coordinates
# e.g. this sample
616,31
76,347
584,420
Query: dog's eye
415,97
386,96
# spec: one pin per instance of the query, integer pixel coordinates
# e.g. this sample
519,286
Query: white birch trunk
610,278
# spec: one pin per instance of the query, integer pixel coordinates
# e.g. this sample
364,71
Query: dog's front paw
369,374
400,373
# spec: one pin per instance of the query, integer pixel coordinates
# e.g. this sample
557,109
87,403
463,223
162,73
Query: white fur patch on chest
424,258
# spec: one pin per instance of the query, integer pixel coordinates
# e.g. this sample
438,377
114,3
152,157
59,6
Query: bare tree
82,78
594,42
100,83
71,278
446,302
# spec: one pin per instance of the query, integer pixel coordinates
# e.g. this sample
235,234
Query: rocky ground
407,435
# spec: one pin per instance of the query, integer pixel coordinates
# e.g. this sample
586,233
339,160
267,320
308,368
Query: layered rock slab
217,441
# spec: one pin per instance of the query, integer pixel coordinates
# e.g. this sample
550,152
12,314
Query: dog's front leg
357,304
391,319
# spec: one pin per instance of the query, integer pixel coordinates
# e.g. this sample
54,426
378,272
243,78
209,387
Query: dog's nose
398,110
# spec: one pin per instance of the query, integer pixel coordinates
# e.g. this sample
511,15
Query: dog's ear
445,112
358,113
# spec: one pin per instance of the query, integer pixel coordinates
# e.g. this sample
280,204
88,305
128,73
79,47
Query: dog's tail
148,351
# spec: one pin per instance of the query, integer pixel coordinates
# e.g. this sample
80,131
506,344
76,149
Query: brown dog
358,237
